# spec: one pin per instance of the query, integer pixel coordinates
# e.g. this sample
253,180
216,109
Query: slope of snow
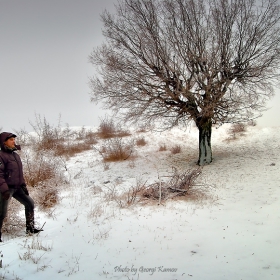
230,232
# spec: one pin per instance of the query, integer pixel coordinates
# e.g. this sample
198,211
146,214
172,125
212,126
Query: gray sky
44,67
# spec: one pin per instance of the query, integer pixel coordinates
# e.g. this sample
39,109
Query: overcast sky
44,69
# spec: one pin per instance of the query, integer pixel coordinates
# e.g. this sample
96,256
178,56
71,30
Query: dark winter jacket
11,174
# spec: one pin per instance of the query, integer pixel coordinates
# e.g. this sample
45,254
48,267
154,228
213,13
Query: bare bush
131,196
90,138
87,136
141,141
162,148
39,167
23,137
176,149
71,149
61,142
179,185
46,195
43,173
236,130
95,212
116,149
74,142
108,129
110,193
182,182
47,135
80,134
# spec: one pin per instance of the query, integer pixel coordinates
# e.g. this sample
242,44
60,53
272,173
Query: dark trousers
24,199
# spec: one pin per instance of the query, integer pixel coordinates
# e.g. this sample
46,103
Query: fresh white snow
230,233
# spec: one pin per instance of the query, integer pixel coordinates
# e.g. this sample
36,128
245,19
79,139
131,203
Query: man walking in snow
12,183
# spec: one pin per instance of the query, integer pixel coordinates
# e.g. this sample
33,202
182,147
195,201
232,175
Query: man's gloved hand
6,195
24,188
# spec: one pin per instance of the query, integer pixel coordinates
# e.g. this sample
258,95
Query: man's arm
3,185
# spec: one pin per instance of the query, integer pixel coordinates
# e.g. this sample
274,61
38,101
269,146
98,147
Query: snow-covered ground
232,232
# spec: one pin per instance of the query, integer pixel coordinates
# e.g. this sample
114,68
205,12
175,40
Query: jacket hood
4,136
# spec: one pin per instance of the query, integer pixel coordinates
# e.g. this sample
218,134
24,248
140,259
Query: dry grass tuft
176,149
60,142
128,198
46,195
141,141
108,129
90,138
72,149
236,130
47,135
40,167
95,212
162,148
116,149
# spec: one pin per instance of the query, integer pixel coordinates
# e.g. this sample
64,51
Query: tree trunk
205,150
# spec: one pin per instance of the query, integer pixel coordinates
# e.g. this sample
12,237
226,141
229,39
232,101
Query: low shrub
162,148
176,149
131,196
23,138
40,167
47,135
46,195
236,130
43,173
180,185
116,149
108,129
90,138
87,136
141,141
71,149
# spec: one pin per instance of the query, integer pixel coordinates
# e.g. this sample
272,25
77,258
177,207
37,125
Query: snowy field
230,233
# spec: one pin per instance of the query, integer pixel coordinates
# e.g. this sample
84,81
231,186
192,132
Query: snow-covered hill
230,231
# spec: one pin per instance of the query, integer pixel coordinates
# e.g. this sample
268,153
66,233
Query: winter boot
32,230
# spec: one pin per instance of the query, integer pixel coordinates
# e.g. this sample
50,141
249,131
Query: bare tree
174,61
